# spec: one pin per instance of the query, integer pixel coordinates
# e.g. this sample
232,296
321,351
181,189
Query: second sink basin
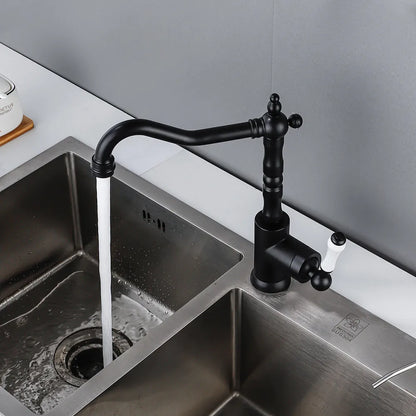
241,357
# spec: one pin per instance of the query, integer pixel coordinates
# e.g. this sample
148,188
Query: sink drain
80,355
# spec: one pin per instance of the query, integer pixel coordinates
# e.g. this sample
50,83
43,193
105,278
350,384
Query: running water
104,239
28,339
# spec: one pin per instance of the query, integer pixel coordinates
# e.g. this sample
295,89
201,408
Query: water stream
104,241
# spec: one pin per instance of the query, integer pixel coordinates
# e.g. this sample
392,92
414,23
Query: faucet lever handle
336,245
321,278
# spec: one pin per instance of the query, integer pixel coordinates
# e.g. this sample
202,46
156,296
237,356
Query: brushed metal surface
283,370
393,373
224,349
50,215
36,226
238,406
49,285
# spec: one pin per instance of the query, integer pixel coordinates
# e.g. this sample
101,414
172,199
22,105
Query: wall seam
273,44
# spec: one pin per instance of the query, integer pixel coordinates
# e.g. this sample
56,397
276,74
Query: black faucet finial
275,123
274,106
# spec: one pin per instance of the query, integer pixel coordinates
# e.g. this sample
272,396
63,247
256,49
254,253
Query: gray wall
349,67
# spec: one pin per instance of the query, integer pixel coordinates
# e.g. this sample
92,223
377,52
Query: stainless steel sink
49,284
204,341
241,357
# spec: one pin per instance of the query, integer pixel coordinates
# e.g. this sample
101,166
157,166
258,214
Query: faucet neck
103,162
272,180
275,125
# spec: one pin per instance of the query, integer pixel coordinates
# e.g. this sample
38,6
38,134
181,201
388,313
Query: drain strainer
80,355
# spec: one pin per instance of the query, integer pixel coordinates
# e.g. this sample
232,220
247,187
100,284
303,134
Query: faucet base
269,287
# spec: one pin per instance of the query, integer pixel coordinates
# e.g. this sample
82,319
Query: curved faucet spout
103,162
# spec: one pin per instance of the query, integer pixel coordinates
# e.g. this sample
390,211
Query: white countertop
60,109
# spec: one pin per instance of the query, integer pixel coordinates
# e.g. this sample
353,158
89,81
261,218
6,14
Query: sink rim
318,313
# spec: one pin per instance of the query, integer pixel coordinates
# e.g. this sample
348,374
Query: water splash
28,345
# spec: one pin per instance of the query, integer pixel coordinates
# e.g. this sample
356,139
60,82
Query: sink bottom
59,305
238,405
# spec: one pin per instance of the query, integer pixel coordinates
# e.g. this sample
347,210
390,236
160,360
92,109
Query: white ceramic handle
336,245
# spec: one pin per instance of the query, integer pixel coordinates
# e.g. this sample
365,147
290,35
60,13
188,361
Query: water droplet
21,320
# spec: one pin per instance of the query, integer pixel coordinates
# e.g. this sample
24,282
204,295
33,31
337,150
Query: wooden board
25,125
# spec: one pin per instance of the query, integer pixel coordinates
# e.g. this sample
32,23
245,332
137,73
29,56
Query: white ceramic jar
11,113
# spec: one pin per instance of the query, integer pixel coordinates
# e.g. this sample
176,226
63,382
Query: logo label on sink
350,327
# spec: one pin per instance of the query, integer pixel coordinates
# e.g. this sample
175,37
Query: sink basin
241,357
49,284
191,335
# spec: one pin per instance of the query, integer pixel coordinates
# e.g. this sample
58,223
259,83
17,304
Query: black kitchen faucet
278,256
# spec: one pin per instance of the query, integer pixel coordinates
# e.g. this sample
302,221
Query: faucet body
278,256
